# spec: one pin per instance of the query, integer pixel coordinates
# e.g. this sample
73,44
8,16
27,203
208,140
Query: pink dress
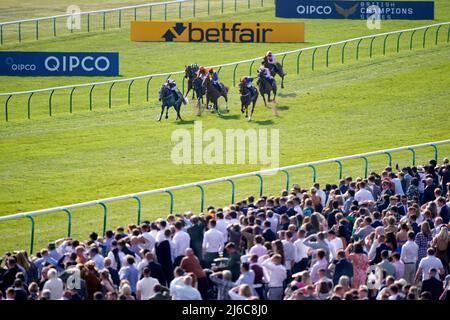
360,263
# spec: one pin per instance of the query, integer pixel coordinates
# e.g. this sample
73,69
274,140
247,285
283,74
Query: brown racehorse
190,73
247,99
280,72
213,95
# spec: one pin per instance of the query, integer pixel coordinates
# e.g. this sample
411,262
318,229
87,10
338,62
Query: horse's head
186,71
163,92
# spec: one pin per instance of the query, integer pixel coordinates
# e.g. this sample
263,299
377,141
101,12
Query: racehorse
199,89
190,73
247,99
168,100
265,87
213,95
280,72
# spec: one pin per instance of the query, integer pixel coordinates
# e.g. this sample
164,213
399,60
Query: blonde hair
244,290
443,234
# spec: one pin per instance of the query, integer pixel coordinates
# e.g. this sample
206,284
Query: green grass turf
377,103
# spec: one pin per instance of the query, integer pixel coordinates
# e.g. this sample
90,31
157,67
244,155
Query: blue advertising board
21,63
324,9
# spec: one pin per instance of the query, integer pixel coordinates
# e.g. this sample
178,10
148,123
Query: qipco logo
73,63
320,10
19,66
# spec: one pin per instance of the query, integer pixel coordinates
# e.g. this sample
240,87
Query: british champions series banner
22,63
324,9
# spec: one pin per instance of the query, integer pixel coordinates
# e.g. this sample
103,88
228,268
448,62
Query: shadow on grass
287,95
282,108
229,117
267,122
183,122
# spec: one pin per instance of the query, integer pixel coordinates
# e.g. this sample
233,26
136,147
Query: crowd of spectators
382,238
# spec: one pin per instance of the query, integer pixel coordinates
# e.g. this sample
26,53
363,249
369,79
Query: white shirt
363,195
298,209
322,196
301,251
258,249
398,186
289,253
175,282
160,237
410,252
184,292
274,222
145,286
149,241
276,274
182,241
55,286
113,259
335,245
213,240
141,266
222,226
428,263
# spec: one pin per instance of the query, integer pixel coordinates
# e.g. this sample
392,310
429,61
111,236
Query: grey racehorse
168,100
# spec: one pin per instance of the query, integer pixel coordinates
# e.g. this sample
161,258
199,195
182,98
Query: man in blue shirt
130,272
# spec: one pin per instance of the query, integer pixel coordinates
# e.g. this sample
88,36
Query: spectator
145,286
54,285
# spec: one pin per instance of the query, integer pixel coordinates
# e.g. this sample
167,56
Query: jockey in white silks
272,61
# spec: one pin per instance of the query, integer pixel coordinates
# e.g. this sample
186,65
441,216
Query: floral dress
360,263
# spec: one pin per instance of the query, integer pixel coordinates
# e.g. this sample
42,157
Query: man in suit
267,233
381,247
165,253
155,269
196,234
443,210
433,285
343,267
428,192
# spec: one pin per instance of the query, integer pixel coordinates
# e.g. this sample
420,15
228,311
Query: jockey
270,58
265,73
194,67
202,73
248,82
215,79
172,85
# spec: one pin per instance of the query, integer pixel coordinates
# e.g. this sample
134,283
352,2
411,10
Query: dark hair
213,222
245,266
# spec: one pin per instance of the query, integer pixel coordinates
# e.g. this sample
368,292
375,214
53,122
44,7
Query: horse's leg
268,96
282,80
226,101
162,112
178,112
253,109
167,112
264,99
